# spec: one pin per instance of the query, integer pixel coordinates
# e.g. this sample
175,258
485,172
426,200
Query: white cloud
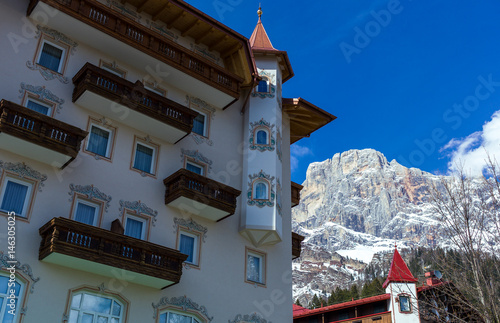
472,151
296,152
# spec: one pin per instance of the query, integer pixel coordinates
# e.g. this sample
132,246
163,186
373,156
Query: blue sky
416,80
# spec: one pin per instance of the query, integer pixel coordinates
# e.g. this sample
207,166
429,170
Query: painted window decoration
278,196
195,167
255,266
196,162
249,318
7,297
190,235
260,191
261,136
145,156
202,122
180,310
135,226
87,212
279,141
51,56
18,186
404,303
154,87
266,87
95,305
88,204
113,68
137,219
39,106
100,140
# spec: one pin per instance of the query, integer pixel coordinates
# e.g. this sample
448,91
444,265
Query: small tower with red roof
402,286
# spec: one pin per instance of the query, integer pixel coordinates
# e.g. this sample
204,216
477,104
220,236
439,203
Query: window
100,140
189,244
144,158
87,307
262,137
255,267
135,227
262,87
112,68
171,317
7,297
153,87
404,303
199,124
51,56
86,212
16,196
39,106
195,168
261,191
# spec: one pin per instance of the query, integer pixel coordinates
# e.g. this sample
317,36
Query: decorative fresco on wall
22,170
270,140
139,208
183,303
205,53
279,141
197,157
190,225
42,93
261,177
248,318
90,192
6,262
270,76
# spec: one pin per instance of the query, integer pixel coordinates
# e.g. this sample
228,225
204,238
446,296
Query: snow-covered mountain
355,205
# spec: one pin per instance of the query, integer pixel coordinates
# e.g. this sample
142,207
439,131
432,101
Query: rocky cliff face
352,206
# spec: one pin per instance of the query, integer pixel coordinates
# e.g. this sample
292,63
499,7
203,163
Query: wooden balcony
37,136
133,43
199,195
384,317
116,98
84,247
296,188
296,245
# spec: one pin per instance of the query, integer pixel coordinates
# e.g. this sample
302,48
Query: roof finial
259,12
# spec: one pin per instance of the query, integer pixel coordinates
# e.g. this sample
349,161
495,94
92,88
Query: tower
402,287
263,211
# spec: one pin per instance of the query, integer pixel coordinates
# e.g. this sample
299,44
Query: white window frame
205,124
40,102
60,69
154,89
124,305
113,69
194,164
97,213
145,225
194,318
196,245
262,266
109,147
153,157
27,199
20,298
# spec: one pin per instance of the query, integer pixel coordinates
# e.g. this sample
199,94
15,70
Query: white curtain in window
253,268
143,158
50,57
85,213
261,137
199,124
14,197
98,141
133,228
261,191
187,247
38,107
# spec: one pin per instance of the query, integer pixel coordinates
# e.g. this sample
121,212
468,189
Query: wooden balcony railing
296,245
296,188
133,96
148,41
40,129
201,189
384,317
75,239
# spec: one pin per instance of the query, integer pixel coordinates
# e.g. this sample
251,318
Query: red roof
399,272
339,306
259,38
298,309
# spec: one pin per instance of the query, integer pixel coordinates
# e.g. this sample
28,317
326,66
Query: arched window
171,317
7,298
262,86
89,307
261,191
261,137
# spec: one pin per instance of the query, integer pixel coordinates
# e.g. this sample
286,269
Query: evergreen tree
297,302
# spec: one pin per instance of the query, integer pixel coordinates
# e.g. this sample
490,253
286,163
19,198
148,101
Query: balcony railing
80,246
296,188
155,110
41,130
384,317
148,41
200,195
296,245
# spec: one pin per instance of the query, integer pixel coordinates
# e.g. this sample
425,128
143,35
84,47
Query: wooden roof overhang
305,118
283,61
191,22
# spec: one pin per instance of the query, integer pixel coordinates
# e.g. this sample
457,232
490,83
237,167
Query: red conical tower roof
399,272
